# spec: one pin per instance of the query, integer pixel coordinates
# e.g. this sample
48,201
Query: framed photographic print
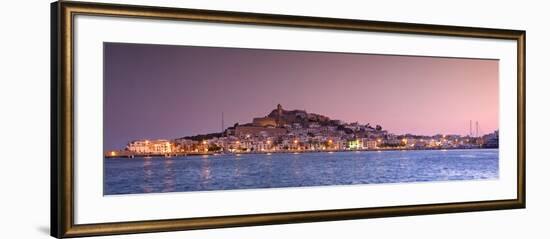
170,119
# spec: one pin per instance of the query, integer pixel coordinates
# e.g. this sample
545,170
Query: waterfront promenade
128,154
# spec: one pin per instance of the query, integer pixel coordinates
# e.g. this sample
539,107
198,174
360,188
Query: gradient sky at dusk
159,91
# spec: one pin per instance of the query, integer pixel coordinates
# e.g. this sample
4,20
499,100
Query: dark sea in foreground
248,171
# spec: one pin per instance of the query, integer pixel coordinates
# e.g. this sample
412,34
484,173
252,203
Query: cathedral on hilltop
272,120
280,117
278,121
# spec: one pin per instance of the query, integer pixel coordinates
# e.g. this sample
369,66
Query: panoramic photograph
192,118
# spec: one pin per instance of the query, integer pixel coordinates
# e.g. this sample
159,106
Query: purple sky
159,91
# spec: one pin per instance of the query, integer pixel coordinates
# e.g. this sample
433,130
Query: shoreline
130,155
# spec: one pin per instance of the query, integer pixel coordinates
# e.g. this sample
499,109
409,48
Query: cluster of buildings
299,131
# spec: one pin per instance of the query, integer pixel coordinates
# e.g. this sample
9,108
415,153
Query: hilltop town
299,131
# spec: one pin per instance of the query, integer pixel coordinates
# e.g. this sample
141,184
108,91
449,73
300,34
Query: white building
370,144
159,146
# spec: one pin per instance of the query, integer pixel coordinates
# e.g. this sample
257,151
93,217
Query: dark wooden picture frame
62,118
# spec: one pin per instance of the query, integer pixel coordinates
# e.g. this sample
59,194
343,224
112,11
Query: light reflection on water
248,171
205,171
169,182
147,175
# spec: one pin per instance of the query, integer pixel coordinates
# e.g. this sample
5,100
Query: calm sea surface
223,172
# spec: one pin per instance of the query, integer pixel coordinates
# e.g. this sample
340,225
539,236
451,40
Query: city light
301,136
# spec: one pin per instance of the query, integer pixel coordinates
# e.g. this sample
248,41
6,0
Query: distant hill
280,117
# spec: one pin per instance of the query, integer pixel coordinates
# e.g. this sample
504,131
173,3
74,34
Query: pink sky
419,95
156,91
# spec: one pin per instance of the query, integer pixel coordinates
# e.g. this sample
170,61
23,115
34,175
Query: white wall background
24,119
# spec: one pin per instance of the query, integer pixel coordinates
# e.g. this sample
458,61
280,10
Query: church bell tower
279,114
